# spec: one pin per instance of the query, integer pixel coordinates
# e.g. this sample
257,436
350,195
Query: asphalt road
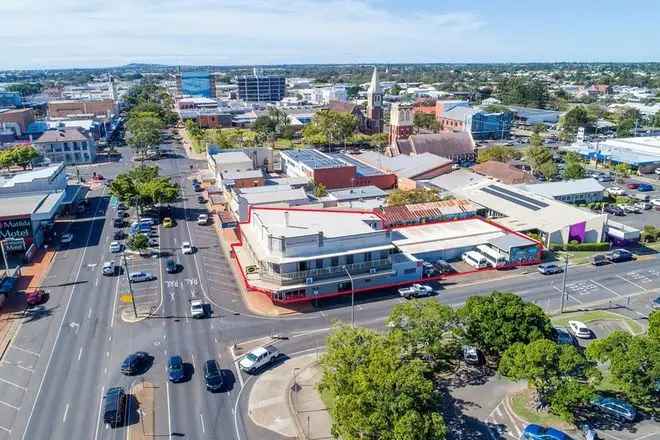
67,354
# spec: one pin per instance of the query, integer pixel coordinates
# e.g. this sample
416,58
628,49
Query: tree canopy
498,153
143,185
521,91
573,168
573,119
330,128
497,321
18,156
400,197
425,120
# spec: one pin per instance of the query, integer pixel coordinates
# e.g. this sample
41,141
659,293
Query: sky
100,33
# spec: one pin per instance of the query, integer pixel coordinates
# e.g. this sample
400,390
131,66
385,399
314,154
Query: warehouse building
569,191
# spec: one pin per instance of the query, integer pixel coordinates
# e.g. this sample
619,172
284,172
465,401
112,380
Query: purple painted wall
577,232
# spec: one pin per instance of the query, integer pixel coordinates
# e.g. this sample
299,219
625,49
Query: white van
494,258
475,259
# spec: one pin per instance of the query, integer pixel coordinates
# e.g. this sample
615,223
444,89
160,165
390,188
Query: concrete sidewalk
284,400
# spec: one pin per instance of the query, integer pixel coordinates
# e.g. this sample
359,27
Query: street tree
573,170
560,375
378,394
572,120
138,242
633,362
538,155
18,156
335,127
400,197
498,153
656,120
536,140
424,330
142,187
548,169
497,321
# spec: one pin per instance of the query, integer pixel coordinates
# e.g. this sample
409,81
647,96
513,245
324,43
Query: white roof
231,157
565,187
29,176
259,198
308,222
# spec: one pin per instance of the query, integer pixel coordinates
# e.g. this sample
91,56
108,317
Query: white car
115,247
187,248
655,202
258,358
66,238
202,219
579,329
615,190
137,277
197,308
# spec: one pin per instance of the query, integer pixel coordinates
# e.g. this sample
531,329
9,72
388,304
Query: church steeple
375,104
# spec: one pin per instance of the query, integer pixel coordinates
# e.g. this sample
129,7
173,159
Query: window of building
84,145
367,256
318,263
409,271
349,259
302,265
344,285
334,261
275,267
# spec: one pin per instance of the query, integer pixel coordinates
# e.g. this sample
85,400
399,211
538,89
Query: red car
36,297
632,185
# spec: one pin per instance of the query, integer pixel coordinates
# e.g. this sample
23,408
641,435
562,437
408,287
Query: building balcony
289,278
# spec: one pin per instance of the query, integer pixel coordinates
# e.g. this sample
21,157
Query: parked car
137,277
615,210
175,369
202,219
631,209
171,266
187,248
605,178
616,191
644,187
598,260
415,291
632,185
579,329
118,235
110,268
538,432
549,268
116,247
167,222
620,255
615,407
428,269
444,267
643,206
153,242
114,406
118,223
258,358
656,304
121,206
563,336
66,238
36,297
135,363
213,376
655,202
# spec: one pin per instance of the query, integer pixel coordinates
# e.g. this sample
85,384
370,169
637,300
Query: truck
415,291
259,358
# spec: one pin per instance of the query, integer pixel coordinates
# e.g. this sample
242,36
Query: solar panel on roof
538,203
514,200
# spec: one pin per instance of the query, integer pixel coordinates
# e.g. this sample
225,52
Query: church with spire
370,122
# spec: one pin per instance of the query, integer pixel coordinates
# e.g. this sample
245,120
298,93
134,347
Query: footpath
31,278
285,400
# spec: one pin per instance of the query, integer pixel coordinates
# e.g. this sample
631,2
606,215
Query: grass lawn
577,257
522,404
597,315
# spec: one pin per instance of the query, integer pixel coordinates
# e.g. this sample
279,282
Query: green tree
377,394
425,120
656,119
378,141
634,362
521,91
548,169
423,330
573,170
335,128
25,89
556,371
572,120
265,127
498,153
320,190
536,140
499,320
537,155
654,325
138,242
143,186
395,89
622,170
400,197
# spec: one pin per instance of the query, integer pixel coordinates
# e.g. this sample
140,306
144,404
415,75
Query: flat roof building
261,88
570,191
642,152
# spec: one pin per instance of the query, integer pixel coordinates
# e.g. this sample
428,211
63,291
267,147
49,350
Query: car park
620,255
116,247
615,407
538,432
187,248
258,358
110,268
549,268
138,277
175,369
599,260
171,266
213,376
579,329
66,238
114,406
135,363
36,297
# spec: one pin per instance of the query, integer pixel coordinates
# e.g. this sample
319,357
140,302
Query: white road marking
634,284
24,350
13,384
201,419
606,288
192,356
98,419
66,411
80,353
5,429
114,306
16,408
169,413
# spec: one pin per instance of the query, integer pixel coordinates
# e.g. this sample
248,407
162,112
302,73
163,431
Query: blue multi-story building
481,124
10,99
196,83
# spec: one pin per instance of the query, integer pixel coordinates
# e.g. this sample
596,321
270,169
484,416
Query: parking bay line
634,284
25,350
9,405
13,384
606,288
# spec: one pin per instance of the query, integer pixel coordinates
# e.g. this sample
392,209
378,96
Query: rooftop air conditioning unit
372,270
309,280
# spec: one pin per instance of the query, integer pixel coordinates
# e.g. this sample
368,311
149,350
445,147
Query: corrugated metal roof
418,212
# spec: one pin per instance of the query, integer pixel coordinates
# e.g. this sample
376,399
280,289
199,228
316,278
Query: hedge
585,247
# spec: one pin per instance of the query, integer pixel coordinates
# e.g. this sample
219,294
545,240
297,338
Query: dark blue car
615,407
645,187
538,432
175,371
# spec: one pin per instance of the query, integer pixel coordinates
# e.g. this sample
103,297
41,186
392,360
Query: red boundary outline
375,212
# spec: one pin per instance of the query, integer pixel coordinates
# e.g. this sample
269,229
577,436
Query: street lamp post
352,296
130,284
563,287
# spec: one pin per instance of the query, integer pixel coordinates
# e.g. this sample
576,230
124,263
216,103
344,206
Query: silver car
137,277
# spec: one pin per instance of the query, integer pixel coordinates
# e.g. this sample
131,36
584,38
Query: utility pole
563,287
130,285
352,297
